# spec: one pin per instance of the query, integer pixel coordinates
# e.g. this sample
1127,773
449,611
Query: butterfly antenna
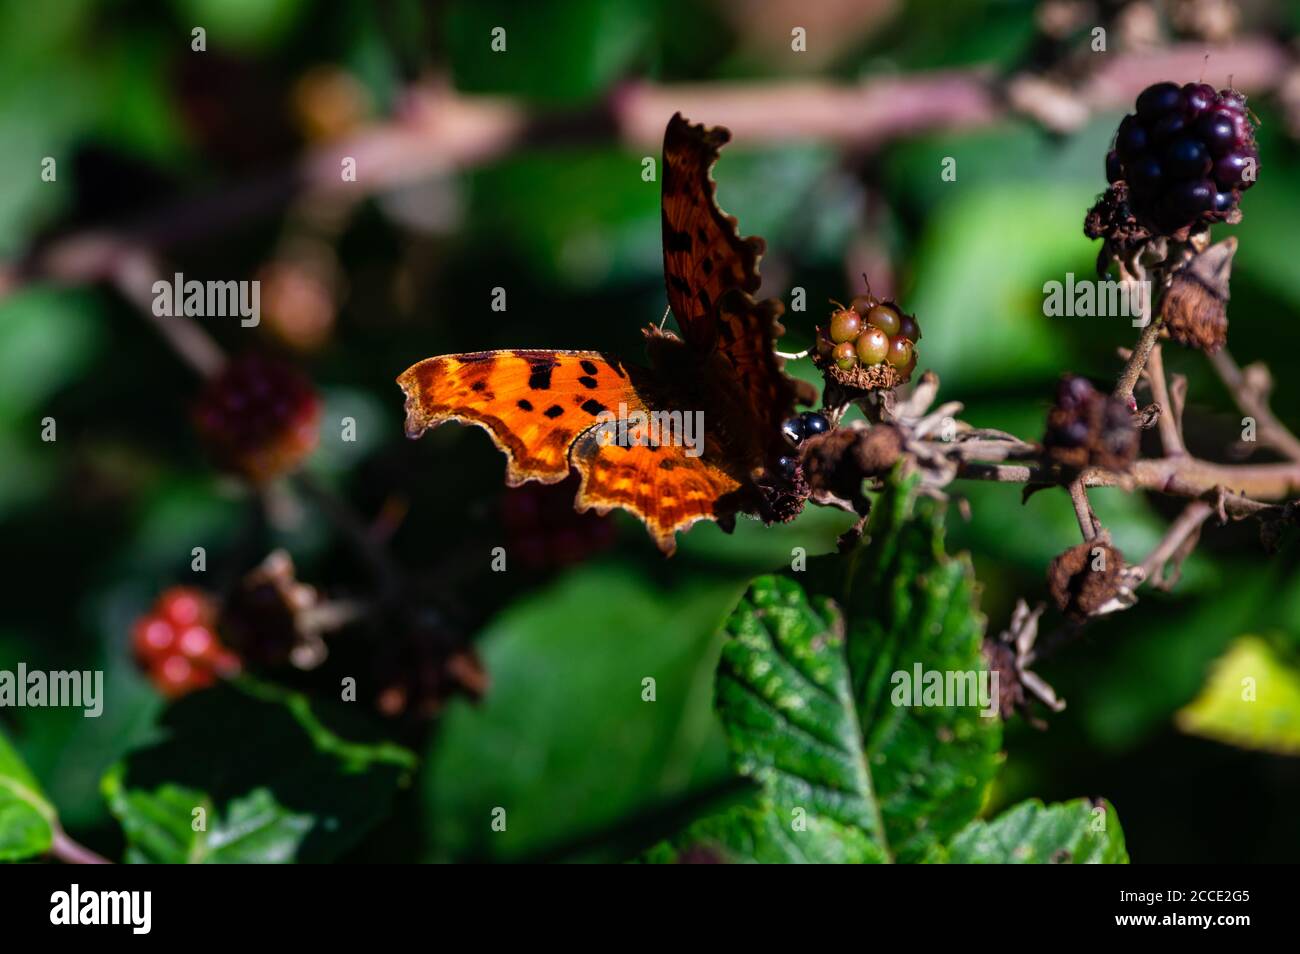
664,320
793,356
1205,63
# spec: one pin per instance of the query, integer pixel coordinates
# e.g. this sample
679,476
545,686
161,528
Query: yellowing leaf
1251,700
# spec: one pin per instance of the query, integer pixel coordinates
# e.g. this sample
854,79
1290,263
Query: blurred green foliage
94,525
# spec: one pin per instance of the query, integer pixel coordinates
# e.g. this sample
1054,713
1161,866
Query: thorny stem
1137,361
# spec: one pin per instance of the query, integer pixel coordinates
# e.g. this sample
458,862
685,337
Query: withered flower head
1085,578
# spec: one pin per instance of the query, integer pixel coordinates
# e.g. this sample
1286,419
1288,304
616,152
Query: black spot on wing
675,240
589,366
587,382
553,411
525,405
540,378
594,407
478,386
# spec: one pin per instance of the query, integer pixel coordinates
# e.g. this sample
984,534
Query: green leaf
1251,700
1076,832
810,713
273,782
27,819
783,694
566,741
908,604
979,296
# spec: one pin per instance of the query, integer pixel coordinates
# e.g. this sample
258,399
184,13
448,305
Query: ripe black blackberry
1186,154
808,424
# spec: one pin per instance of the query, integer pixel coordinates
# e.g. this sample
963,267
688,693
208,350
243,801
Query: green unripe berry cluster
868,332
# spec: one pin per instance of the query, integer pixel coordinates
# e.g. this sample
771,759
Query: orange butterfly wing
542,409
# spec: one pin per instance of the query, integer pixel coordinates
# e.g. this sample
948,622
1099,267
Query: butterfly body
716,394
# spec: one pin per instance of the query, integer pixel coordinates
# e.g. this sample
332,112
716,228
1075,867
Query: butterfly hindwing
666,487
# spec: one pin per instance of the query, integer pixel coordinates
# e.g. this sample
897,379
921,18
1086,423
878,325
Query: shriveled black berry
1158,99
1186,158
787,466
814,423
1073,434
1073,392
793,430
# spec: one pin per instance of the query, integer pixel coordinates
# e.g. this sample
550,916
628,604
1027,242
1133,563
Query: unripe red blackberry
1185,155
845,325
258,417
863,363
176,645
900,352
872,346
885,317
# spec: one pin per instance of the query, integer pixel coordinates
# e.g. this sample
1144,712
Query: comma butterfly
550,411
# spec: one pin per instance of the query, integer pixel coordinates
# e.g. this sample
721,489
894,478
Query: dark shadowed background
522,169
